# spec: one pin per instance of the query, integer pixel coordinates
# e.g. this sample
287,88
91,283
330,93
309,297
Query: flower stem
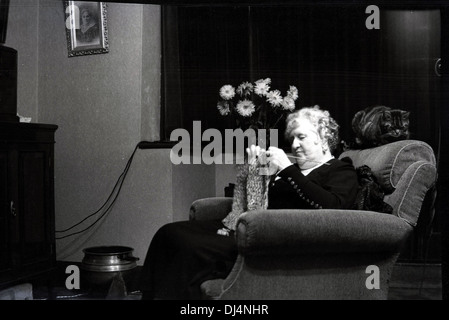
274,126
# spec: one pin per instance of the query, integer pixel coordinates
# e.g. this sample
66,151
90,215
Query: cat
379,125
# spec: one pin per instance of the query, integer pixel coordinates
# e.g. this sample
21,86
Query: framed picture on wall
86,28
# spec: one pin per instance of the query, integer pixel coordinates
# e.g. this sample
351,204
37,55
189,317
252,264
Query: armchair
325,254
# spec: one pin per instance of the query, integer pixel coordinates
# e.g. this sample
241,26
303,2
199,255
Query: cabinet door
27,239
5,244
35,210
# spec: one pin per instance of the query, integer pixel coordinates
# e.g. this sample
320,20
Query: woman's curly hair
326,126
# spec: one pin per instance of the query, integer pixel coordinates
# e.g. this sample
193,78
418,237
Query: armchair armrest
295,232
210,208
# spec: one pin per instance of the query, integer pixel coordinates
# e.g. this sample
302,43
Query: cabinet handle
12,209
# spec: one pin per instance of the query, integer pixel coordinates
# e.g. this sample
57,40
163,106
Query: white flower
261,88
293,93
223,107
245,88
227,92
267,81
245,107
288,103
274,98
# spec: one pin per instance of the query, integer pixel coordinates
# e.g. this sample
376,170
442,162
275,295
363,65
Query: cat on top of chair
378,125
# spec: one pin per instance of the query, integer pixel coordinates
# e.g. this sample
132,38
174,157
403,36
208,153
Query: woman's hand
277,159
254,152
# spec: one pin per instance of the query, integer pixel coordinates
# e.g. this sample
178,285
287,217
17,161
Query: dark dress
89,36
184,254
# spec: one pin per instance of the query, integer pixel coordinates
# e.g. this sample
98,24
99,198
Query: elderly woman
184,254
317,180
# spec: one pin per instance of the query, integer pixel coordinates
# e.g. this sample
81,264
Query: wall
97,103
22,35
103,105
224,175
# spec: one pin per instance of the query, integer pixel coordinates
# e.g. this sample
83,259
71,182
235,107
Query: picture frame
86,28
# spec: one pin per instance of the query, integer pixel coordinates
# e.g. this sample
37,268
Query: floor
408,282
117,286
416,282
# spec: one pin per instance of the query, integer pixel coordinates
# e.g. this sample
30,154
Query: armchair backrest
405,169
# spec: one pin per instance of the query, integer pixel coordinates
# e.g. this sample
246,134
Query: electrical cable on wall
118,184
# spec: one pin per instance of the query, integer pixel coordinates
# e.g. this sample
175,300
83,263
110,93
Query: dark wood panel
27,184
5,246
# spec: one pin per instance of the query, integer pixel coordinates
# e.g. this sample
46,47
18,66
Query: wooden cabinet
27,235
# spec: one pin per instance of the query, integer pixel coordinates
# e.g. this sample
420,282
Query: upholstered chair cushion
406,170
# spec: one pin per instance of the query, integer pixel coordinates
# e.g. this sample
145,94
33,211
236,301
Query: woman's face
86,17
307,145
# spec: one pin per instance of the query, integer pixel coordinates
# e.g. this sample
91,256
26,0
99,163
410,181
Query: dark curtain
327,52
204,48
171,103
443,180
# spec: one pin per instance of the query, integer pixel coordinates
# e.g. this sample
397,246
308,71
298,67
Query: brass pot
101,264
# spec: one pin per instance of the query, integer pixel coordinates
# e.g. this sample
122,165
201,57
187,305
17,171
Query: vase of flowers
256,105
